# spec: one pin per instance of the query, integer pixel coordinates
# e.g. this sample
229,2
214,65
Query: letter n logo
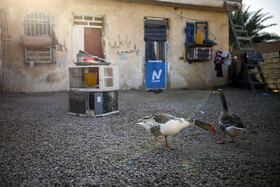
156,76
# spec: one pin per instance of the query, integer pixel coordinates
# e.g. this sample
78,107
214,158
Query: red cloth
218,61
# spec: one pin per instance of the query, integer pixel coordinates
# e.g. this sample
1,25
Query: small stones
49,147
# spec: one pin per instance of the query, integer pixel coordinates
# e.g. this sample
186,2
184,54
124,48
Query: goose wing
157,119
152,123
228,119
163,118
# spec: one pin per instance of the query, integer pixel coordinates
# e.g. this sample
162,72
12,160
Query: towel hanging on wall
221,57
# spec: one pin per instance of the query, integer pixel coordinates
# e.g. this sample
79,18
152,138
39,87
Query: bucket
91,79
198,39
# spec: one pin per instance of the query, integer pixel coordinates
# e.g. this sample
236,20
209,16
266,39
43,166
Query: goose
229,122
167,125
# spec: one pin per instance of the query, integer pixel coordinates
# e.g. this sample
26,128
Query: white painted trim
87,14
78,41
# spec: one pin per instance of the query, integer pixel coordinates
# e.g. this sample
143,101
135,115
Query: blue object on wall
155,75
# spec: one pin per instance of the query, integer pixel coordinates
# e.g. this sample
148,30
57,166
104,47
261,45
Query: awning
36,41
155,30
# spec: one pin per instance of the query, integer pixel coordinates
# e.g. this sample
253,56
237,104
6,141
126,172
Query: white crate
107,78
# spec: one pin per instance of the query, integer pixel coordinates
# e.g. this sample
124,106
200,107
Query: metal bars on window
35,24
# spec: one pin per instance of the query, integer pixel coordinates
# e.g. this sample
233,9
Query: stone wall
271,66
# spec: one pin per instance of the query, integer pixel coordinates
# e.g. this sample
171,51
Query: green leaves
255,24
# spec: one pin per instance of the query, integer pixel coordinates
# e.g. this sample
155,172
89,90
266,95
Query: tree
254,22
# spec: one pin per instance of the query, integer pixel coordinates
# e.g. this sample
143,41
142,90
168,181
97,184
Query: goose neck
223,101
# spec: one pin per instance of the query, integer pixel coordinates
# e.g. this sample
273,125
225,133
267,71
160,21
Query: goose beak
213,129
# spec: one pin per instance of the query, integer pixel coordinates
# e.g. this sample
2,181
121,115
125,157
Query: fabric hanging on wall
221,57
241,61
155,30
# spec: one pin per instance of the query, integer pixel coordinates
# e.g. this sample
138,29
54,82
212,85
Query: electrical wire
174,13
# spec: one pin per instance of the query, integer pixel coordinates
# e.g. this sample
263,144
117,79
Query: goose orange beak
213,129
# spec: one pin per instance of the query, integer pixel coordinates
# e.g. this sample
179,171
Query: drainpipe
4,65
5,37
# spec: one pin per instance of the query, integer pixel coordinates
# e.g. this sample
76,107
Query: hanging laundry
221,57
218,63
256,56
241,61
226,55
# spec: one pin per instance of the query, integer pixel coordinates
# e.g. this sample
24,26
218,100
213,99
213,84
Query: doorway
155,38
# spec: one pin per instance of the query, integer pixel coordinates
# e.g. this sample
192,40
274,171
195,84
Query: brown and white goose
229,122
167,125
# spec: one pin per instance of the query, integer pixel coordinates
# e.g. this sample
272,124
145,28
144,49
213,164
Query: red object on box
89,59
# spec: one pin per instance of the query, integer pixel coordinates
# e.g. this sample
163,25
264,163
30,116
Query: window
195,29
155,39
88,35
38,38
198,45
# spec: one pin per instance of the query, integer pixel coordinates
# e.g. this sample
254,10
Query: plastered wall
123,33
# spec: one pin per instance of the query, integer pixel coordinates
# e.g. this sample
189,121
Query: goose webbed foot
221,142
170,147
232,140
223,139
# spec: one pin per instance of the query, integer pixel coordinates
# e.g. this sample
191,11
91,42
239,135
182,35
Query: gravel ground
41,145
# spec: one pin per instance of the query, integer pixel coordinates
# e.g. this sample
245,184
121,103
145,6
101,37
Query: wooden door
93,42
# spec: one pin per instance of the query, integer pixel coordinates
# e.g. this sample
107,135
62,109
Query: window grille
37,24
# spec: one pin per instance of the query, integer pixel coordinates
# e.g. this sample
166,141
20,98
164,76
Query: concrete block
276,59
272,75
277,80
269,81
272,86
268,60
277,70
266,71
268,55
267,66
276,54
